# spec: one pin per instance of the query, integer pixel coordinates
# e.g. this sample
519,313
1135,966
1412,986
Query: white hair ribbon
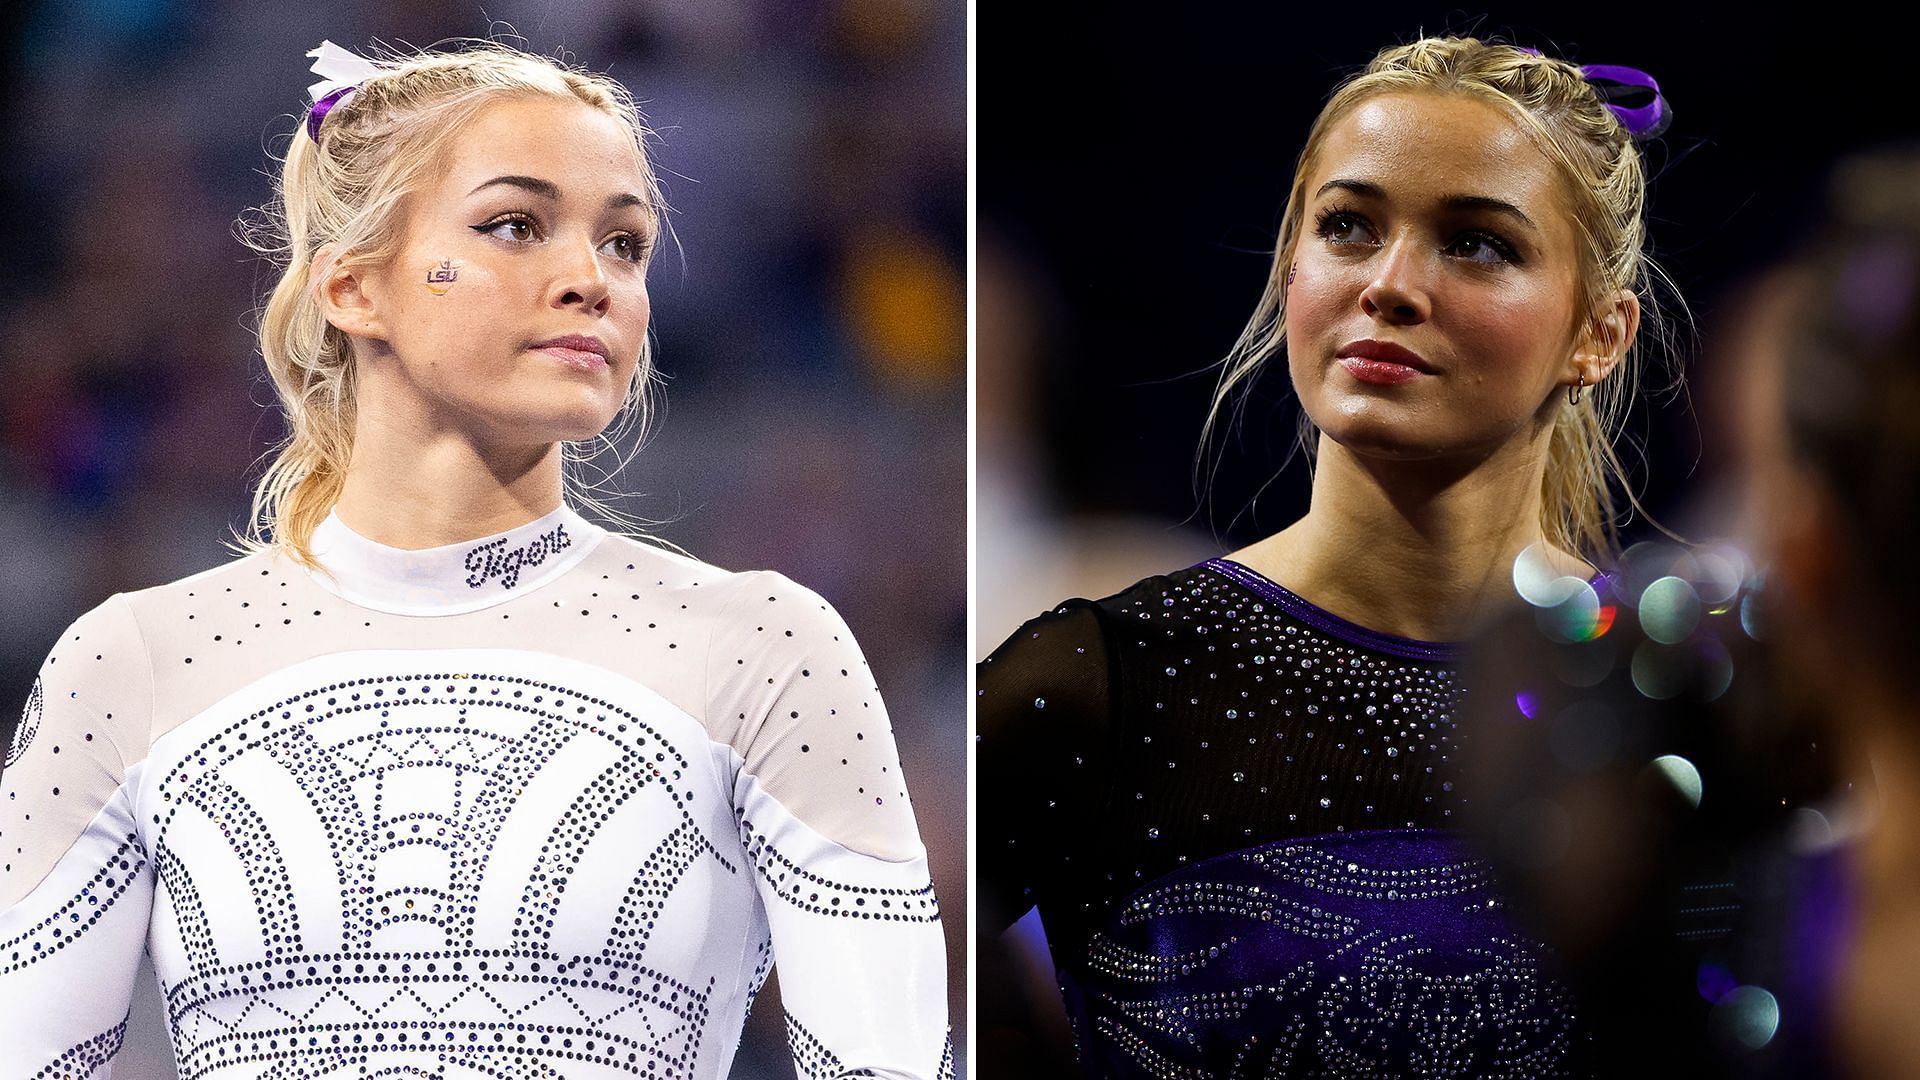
338,69
341,73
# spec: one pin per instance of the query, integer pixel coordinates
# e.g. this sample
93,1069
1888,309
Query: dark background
811,322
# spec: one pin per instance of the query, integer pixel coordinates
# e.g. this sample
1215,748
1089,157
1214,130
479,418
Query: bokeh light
1714,981
1588,663
1681,773
1576,617
1808,830
1537,583
1659,671
1722,572
1669,609
1749,1014
1751,612
1715,668
1647,562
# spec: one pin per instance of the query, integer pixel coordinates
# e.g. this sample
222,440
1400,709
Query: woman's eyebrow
549,190
1369,190
1358,187
1487,202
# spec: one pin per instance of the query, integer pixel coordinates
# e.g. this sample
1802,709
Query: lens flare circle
1683,776
1534,579
1660,671
1750,1014
1669,610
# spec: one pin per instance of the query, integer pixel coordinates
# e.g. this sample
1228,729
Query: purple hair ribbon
321,108
1614,81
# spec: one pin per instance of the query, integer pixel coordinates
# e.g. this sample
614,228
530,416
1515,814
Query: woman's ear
1604,341
347,295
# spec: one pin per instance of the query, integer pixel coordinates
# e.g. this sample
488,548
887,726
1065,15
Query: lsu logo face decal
441,278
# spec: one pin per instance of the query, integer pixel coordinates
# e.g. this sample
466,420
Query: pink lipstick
589,353
1382,362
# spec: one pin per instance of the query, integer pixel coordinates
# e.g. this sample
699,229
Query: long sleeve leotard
1233,810
547,804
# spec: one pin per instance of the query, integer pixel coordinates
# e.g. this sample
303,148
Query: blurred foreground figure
1698,777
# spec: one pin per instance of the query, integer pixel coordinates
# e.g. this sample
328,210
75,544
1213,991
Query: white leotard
545,804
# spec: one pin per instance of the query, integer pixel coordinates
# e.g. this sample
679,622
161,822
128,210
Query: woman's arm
1042,711
76,883
837,858
1042,706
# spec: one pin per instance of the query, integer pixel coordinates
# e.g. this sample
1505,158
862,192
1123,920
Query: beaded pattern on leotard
74,918
29,725
556,829
485,738
82,1060
1380,953
1274,894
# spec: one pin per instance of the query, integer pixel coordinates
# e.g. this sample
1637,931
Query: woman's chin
575,418
1375,440
584,432
547,428
1377,429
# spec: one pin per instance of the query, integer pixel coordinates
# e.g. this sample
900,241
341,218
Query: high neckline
452,578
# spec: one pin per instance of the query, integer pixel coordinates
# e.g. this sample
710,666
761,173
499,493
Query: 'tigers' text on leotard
492,559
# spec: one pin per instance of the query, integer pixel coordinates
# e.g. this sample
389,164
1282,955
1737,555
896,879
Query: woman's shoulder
241,573
667,561
1061,665
758,615
671,564
1085,615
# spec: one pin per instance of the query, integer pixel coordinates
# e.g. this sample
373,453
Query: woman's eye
628,246
1478,247
517,229
1340,227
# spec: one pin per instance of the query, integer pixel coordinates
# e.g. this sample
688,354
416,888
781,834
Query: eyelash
640,244
1501,247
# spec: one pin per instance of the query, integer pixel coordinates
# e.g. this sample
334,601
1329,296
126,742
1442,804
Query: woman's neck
1419,549
408,491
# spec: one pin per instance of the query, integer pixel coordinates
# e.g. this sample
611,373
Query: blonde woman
440,778
1227,788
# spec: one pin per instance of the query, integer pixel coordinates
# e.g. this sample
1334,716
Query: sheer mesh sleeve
824,815
76,886
1043,701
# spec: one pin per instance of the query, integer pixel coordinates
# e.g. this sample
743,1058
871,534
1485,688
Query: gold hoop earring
1573,392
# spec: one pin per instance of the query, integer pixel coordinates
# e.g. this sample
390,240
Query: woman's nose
1398,292
581,280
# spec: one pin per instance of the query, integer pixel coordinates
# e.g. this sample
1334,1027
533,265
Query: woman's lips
1382,372
580,358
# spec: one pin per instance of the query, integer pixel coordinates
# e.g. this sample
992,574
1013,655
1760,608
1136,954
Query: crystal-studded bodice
548,804
1379,952
1214,792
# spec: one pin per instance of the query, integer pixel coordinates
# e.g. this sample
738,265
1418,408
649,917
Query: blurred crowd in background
810,321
